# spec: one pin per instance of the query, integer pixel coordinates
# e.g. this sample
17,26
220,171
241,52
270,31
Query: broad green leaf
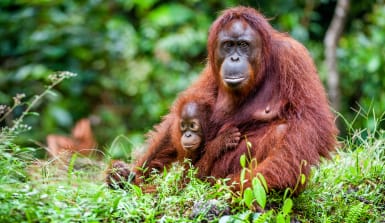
280,218
287,206
259,193
263,181
248,197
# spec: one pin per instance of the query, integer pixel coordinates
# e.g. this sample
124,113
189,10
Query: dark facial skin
238,46
190,127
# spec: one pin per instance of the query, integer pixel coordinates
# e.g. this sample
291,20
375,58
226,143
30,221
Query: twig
56,79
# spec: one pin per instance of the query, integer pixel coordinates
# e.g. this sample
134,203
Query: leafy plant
255,197
13,156
349,188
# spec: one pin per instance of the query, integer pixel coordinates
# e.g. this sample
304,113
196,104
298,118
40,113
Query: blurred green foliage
362,65
132,57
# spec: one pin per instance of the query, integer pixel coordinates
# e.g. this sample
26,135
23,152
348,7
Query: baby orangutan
191,130
188,138
194,129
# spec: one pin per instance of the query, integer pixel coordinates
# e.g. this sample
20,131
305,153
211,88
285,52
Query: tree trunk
332,36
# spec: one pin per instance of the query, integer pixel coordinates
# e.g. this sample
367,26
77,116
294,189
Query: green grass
348,188
81,196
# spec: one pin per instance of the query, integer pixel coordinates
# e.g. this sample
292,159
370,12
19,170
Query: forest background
133,57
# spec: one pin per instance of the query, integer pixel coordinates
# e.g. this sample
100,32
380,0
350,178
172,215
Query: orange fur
287,82
283,112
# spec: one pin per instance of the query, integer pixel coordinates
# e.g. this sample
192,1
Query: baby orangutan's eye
194,126
183,126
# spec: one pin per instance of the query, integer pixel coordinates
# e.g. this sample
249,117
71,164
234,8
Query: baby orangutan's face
190,127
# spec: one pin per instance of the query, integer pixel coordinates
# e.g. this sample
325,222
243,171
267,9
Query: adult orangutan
264,83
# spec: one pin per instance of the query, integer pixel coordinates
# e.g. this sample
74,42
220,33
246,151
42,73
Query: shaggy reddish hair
283,113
